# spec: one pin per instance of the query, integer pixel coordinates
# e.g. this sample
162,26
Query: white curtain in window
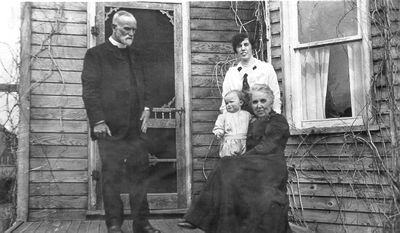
314,77
355,76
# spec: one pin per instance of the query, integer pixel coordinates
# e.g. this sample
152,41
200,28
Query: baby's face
232,102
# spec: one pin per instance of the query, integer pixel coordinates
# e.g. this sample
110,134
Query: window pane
322,20
330,81
338,99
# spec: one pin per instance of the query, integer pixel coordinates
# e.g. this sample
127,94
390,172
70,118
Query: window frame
291,59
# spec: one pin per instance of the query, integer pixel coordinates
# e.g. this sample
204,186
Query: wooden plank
345,177
208,81
59,15
206,104
58,52
212,58
59,126
19,227
275,15
39,101
202,151
156,201
44,226
219,13
210,116
338,163
58,164
340,204
58,151
352,218
206,92
59,40
220,25
211,47
61,202
54,189
339,228
221,4
58,114
58,176
103,227
53,226
202,127
24,112
209,70
340,190
55,139
33,227
203,139
73,228
56,214
57,64
320,177
59,28
328,150
56,77
211,36
78,6
161,123
330,139
276,41
84,227
64,226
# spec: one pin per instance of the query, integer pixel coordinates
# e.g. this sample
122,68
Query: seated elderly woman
247,193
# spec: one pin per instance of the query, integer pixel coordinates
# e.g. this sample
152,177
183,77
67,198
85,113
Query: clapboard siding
55,151
58,126
50,76
59,40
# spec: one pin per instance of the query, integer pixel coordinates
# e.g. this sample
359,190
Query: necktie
245,87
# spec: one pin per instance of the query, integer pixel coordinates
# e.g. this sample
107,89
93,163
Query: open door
159,39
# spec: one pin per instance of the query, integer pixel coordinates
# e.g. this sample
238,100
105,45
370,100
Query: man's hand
144,118
101,130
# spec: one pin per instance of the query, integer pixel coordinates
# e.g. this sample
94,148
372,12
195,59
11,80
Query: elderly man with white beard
118,108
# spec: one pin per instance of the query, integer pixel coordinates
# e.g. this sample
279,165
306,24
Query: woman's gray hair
263,88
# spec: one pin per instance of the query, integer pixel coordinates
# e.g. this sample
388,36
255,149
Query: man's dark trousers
114,153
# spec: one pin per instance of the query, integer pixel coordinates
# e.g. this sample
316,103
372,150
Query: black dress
247,193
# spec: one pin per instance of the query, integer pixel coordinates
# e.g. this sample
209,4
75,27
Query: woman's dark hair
239,38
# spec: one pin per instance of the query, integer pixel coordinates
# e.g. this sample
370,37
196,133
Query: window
327,63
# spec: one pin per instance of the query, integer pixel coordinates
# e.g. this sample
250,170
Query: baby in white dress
232,125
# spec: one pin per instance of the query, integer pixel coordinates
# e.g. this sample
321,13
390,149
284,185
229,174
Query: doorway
159,40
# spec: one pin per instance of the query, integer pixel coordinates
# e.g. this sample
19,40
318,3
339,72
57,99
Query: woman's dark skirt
244,194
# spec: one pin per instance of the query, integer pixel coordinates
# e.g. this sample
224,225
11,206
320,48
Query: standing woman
247,193
249,71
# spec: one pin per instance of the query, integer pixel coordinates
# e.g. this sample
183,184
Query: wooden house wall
58,158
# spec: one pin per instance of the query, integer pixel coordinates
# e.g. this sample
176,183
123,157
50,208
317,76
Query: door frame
182,73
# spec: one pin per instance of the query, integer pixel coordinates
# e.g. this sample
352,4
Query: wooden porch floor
94,226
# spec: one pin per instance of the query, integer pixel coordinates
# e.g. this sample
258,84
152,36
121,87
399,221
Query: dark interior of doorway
154,39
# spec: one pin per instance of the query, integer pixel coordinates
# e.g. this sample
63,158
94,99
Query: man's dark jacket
107,89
